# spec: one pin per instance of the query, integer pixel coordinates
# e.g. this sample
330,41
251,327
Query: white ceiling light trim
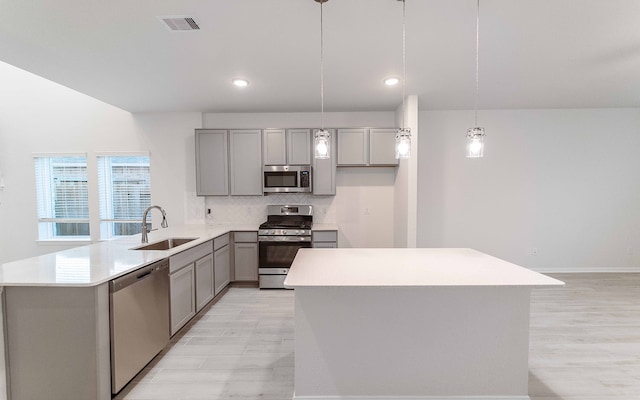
391,81
241,83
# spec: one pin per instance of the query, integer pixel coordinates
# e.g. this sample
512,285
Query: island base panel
57,342
417,342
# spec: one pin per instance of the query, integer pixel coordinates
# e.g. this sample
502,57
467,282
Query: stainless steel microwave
287,179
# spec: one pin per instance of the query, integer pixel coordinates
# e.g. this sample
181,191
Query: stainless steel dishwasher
139,316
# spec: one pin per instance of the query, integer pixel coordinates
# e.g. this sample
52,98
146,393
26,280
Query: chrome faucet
145,229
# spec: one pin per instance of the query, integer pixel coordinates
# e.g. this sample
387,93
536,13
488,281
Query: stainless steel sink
165,244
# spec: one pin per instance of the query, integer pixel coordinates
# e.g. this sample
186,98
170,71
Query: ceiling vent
180,23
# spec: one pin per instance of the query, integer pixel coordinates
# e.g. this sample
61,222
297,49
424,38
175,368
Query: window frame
105,188
45,201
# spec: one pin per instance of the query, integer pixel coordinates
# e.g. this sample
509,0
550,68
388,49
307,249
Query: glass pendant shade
475,142
403,143
322,144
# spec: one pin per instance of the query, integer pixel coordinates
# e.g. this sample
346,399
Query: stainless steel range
287,229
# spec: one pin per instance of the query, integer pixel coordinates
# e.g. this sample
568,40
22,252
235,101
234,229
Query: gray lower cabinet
245,162
325,245
190,283
245,254
204,277
182,289
324,239
222,263
324,170
246,261
212,166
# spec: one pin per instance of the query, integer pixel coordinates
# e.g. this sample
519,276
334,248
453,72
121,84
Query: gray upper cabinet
286,147
352,146
299,146
231,161
212,167
245,156
324,170
274,147
382,147
366,147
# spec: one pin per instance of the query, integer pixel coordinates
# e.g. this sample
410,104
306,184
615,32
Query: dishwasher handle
138,275
144,275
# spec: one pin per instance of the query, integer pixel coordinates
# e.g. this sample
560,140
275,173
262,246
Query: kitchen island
411,324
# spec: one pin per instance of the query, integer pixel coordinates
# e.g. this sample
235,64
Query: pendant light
475,135
322,143
403,136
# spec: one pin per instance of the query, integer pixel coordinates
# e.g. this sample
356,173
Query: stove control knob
272,232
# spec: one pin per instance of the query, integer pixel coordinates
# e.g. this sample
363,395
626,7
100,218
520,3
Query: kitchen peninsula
411,324
57,312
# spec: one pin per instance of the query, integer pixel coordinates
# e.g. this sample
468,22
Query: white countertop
94,264
393,267
98,263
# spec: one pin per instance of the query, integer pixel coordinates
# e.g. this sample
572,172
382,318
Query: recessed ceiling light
240,82
391,81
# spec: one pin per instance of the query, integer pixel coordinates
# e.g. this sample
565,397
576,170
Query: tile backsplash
253,209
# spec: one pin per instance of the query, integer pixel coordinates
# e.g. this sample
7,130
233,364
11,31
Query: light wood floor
585,344
585,339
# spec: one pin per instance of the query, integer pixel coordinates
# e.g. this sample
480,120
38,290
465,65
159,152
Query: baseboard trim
604,270
411,397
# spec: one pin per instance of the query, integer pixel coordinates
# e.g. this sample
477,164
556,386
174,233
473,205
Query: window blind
62,197
125,192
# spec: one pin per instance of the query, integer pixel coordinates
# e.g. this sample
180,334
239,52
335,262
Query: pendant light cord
404,60
477,59
321,70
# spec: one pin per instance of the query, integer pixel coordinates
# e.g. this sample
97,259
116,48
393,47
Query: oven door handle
284,239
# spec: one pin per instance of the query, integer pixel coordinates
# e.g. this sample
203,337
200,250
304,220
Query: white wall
37,115
364,208
297,120
558,183
363,204
405,211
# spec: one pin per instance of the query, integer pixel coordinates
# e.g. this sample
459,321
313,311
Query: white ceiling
533,53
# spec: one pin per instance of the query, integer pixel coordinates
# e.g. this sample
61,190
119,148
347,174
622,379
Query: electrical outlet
534,251
366,211
630,250
209,215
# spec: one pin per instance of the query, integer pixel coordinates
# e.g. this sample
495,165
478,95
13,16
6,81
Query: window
125,192
63,199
